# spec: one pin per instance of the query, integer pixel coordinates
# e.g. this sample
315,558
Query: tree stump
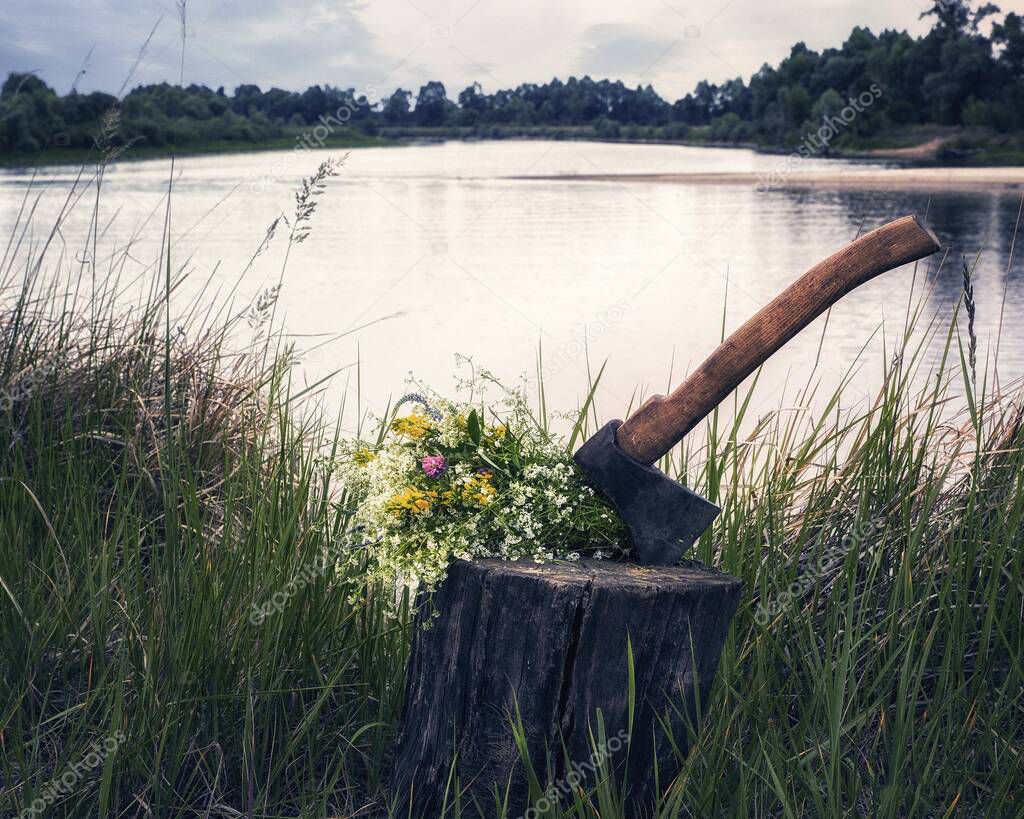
551,641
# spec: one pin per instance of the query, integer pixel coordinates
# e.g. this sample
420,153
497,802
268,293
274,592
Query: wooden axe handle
661,422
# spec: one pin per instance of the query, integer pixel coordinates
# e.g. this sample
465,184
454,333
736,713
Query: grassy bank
161,479
919,145
913,145
387,136
76,156
938,145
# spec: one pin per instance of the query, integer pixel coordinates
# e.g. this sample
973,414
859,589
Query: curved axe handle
661,422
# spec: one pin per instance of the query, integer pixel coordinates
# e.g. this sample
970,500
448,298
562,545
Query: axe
664,518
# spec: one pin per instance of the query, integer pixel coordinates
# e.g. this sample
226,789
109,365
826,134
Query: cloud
627,52
265,42
301,45
349,43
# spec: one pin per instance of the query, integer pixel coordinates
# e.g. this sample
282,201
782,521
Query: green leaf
581,419
473,427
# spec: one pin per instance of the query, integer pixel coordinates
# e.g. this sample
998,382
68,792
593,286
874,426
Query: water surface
470,258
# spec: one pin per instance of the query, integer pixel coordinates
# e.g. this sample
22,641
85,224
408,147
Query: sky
111,45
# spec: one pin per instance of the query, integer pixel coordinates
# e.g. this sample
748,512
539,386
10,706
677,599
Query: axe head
663,516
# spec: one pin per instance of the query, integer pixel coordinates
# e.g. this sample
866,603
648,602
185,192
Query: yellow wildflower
478,489
412,426
363,456
411,499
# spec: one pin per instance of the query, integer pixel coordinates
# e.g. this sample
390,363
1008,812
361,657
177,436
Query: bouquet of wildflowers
448,481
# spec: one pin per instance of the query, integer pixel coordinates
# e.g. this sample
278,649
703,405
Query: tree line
967,71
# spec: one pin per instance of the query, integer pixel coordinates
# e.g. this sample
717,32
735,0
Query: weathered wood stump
551,640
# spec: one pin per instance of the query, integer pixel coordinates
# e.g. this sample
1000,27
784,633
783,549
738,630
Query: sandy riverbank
866,176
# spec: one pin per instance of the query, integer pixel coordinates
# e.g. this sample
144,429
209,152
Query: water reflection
479,263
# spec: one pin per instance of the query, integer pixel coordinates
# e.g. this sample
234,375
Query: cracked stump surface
551,640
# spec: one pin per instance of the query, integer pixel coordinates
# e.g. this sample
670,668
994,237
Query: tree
473,104
313,103
30,117
1009,35
796,103
965,70
396,109
432,105
955,18
955,75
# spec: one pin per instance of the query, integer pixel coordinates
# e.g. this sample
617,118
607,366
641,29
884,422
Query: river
492,250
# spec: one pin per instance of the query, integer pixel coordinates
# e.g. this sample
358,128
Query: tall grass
110,626
874,667
875,670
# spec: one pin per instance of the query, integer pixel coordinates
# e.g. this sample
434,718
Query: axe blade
664,518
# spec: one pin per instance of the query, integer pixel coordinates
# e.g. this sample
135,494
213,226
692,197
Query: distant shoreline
401,138
78,156
919,153
864,177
